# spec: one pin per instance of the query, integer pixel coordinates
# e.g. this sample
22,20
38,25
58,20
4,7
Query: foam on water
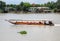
57,24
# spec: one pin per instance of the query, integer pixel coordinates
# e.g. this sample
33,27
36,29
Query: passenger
44,22
50,23
40,23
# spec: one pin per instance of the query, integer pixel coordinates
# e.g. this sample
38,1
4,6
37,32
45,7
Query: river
9,32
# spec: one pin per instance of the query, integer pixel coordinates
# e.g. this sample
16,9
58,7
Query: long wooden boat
31,22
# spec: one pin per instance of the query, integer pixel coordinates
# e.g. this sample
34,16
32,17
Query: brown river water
9,32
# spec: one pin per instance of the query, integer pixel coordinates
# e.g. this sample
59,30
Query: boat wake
57,24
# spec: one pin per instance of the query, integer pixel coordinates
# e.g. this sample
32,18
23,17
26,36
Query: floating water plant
22,32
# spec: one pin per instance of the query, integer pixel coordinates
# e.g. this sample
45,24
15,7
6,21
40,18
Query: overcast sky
30,1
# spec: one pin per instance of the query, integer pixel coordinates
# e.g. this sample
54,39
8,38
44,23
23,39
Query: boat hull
27,23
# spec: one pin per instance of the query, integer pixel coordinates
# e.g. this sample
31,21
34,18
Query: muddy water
9,32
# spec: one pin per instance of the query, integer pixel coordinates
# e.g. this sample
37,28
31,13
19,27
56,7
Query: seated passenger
40,23
46,22
50,23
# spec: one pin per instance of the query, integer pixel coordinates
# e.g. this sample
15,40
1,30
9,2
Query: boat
31,22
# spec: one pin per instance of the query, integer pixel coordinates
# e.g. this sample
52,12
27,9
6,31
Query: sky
30,1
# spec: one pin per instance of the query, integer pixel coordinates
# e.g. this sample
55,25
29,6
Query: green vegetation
51,5
2,6
22,32
58,4
24,6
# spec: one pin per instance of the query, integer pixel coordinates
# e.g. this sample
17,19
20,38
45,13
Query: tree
21,4
51,5
58,4
18,7
11,5
2,4
25,6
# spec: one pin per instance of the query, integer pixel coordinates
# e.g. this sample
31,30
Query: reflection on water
9,32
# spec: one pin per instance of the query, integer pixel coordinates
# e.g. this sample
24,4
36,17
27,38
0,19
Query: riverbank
29,13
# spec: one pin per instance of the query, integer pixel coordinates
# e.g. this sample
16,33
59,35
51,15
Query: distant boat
31,22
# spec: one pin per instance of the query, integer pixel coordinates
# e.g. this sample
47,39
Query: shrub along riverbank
25,6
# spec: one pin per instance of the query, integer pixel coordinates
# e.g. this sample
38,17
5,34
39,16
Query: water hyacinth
22,32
